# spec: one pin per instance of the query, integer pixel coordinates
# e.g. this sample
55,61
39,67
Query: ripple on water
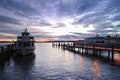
57,64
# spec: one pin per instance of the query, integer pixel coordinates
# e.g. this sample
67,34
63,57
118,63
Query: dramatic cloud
4,19
59,19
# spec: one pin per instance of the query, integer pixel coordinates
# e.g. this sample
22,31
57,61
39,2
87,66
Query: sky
59,19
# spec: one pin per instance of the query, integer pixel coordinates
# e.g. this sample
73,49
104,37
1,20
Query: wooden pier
96,49
6,52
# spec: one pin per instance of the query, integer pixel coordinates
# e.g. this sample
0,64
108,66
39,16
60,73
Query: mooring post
2,54
82,49
87,50
108,54
93,49
58,43
112,53
99,52
1,57
79,49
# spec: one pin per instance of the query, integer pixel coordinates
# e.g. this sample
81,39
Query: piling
109,54
93,49
112,53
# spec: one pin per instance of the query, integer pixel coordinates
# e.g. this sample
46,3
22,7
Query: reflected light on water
117,58
50,63
82,63
67,57
96,70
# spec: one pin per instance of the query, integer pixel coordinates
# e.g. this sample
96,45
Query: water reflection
67,57
57,64
28,59
24,65
82,63
96,70
24,62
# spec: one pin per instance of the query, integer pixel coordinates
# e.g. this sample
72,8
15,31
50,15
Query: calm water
50,63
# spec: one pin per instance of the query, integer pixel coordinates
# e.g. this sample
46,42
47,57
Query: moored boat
24,44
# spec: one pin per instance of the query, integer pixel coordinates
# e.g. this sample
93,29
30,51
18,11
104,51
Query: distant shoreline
36,41
6,41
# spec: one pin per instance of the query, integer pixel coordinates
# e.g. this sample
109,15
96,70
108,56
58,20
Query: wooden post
112,53
78,49
87,51
108,54
59,44
82,49
99,52
73,48
2,54
96,52
93,49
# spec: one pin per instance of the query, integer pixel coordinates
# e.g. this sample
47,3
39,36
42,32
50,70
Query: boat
24,44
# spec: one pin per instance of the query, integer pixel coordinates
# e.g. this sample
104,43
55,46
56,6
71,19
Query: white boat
24,44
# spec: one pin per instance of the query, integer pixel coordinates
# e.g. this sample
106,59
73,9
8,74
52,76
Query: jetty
94,46
6,51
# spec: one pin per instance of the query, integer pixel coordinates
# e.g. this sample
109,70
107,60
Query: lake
52,63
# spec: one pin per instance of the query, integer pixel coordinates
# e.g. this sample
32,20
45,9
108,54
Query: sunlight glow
7,34
6,39
68,29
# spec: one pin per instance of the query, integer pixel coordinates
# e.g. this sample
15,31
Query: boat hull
23,51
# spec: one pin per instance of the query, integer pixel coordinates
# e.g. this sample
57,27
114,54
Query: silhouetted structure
24,44
6,52
95,44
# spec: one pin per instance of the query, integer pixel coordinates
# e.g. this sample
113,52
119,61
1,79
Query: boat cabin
25,40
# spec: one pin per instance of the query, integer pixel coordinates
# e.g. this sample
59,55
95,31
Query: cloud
5,19
20,8
8,35
41,23
51,15
68,37
76,33
58,25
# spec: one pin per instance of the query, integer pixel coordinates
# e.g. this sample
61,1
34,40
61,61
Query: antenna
26,24
26,30
97,35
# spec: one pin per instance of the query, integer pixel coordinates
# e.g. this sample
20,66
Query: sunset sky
59,19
